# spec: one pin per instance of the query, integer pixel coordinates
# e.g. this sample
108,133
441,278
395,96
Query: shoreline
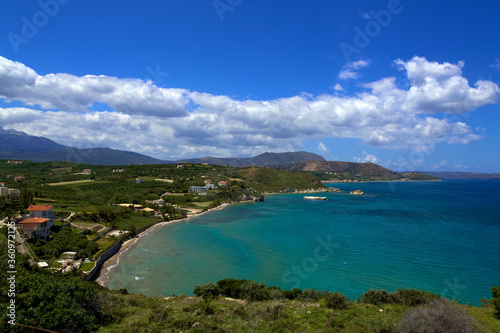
110,264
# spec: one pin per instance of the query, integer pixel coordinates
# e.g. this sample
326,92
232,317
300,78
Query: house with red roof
39,222
44,211
36,227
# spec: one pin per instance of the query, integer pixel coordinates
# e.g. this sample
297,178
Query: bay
438,236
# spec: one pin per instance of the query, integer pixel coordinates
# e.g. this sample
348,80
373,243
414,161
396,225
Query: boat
315,198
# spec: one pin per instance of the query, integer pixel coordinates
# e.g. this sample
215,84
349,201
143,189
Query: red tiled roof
35,220
40,207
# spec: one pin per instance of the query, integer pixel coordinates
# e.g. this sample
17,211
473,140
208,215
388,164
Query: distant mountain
19,145
11,140
266,159
462,175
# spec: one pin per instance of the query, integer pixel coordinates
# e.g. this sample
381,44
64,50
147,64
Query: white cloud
442,88
322,148
72,93
367,158
349,71
178,123
338,87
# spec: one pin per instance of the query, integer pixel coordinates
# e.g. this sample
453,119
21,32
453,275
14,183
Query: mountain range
19,145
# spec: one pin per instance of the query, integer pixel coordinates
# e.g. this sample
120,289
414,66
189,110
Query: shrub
377,297
230,287
437,316
207,291
254,291
412,297
495,301
336,301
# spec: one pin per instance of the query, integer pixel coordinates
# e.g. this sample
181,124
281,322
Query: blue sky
410,85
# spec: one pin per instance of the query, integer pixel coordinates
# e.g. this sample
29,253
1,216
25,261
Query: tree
495,301
336,301
9,207
207,291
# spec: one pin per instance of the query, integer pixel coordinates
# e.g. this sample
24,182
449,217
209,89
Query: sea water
438,236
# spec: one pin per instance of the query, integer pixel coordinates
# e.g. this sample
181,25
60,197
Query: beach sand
108,266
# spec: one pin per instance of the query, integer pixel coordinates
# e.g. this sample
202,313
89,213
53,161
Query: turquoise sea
438,236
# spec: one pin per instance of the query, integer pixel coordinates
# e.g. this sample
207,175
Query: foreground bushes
407,297
495,301
437,316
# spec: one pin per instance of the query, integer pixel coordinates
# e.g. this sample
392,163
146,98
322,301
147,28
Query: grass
73,182
138,221
485,316
179,313
87,266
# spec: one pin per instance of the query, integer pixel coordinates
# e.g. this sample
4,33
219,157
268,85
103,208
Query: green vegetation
65,240
273,180
65,303
495,291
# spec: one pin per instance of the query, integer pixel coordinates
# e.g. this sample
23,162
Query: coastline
110,264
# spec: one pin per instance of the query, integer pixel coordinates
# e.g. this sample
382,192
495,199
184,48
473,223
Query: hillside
335,170
273,180
265,159
15,141
19,145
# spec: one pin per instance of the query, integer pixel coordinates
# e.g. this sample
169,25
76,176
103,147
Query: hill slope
351,168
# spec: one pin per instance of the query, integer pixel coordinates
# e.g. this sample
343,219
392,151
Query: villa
39,222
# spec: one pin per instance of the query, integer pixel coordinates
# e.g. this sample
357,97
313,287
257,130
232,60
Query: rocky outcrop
357,192
250,197
336,190
296,190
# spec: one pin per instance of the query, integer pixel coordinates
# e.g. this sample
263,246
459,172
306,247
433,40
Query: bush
377,297
207,291
254,291
495,301
412,297
230,287
336,301
406,297
437,316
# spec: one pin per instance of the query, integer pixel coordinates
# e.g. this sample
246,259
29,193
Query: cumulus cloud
367,158
442,88
350,70
72,93
322,148
338,87
178,123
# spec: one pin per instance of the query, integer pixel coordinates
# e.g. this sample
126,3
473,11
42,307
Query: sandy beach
112,262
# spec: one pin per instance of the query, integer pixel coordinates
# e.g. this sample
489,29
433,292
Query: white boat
315,198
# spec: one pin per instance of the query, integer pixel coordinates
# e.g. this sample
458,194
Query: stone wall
94,272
